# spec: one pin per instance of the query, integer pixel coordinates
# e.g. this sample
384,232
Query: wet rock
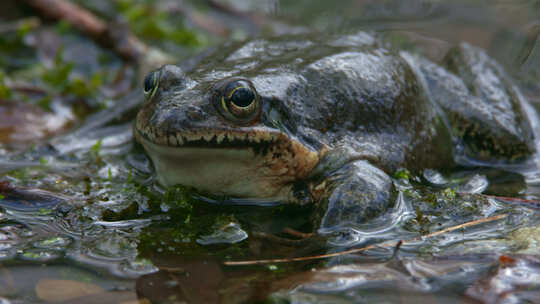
516,279
28,199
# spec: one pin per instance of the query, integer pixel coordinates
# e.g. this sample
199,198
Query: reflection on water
104,229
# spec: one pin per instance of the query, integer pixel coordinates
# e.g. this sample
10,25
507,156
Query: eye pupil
242,97
237,100
149,82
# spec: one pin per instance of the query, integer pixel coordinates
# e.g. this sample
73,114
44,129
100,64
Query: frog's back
395,109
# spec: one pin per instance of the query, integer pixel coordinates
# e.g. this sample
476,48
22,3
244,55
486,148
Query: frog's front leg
354,194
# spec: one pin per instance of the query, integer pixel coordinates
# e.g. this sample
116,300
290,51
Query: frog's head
219,136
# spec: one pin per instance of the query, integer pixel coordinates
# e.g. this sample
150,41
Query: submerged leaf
55,291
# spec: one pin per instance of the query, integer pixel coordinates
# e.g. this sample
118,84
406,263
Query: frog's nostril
171,76
195,114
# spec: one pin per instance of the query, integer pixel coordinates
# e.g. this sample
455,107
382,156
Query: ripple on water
434,177
112,246
515,279
225,234
138,267
53,243
40,255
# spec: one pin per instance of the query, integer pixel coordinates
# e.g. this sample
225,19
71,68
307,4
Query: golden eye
240,102
240,99
151,83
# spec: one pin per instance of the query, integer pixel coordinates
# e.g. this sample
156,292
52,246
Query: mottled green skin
374,110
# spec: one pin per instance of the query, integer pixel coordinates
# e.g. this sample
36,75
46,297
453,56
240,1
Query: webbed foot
359,192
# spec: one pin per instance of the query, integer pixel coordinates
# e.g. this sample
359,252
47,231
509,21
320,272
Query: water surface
81,211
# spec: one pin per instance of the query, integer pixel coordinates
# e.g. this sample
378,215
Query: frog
326,120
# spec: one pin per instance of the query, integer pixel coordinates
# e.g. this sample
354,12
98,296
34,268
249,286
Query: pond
84,220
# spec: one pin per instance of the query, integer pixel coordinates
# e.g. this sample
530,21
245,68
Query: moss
402,173
179,196
97,147
130,176
63,27
449,193
58,75
45,103
5,92
148,23
26,26
131,212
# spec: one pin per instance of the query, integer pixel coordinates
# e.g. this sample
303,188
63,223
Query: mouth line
261,147
259,140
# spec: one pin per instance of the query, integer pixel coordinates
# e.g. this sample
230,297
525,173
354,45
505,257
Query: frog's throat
254,163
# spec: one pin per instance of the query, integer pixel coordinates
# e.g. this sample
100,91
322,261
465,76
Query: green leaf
58,75
402,173
5,92
97,147
45,103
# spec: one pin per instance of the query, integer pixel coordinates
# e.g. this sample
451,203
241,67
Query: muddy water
82,220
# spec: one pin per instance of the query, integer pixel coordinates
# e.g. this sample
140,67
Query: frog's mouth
260,140
255,162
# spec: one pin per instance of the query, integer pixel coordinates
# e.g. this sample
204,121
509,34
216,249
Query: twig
396,249
460,226
358,250
27,88
513,199
207,23
275,239
308,258
297,233
531,36
226,8
123,42
254,18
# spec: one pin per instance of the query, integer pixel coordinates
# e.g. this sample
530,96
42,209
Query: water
101,226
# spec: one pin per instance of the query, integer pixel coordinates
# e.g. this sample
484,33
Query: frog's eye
240,99
151,83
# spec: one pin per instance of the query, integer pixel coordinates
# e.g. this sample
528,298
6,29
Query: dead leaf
62,290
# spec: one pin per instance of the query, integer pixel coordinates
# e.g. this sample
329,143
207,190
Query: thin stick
358,250
255,18
27,88
296,233
460,226
514,199
207,23
316,257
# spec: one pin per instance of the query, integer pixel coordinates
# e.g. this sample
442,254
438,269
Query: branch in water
120,40
358,250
